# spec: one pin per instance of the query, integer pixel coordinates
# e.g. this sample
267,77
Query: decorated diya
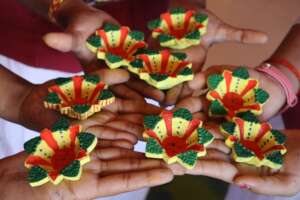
179,28
58,154
253,142
234,92
116,45
78,97
162,69
176,137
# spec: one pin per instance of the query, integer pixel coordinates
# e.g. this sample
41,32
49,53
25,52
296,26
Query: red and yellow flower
179,28
58,154
116,45
162,69
78,97
234,92
176,137
253,142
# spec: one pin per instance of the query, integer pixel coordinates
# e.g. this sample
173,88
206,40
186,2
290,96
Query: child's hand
110,172
275,102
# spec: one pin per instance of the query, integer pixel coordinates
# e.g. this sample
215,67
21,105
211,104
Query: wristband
276,74
285,63
54,6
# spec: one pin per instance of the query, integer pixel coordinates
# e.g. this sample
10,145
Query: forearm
189,4
13,90
289,49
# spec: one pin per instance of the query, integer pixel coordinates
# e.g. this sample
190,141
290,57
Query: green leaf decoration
154,24
150,121
85,140
248,116
53,98
61,125
189,157
137,35
94,40
137,63
214,80
105,94
229,127
241,72
113,58
179,55
200,18
36,174
111,27
241,151
30,146
275,157
153,146
165,38
62,81
217,109
71,170
261,96
177,11
159,77
186,71
183,113
92,78
195,35
279,137
204,136
81,108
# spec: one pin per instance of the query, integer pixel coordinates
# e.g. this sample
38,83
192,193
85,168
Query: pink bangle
276,74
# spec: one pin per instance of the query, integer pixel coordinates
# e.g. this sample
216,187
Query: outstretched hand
110,172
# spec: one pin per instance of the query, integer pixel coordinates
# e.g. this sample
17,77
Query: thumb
282,185
60,41
228,33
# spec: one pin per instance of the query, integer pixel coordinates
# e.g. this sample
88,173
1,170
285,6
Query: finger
218,169
146,90
112,76
123,165
198,82
227,33
111,153
126,127
172,95
193,104
200,115
110,133
214,129
125,92
60,41
132,106
129,181
133,118
219,145
114,143
213,154
271,185
97,119
185,92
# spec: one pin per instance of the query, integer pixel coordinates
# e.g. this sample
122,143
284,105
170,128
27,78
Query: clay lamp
78,97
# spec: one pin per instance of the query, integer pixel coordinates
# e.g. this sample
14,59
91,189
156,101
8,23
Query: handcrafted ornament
58,154
116,45
234,92
253,142
78,97
163,69
176,136
179,28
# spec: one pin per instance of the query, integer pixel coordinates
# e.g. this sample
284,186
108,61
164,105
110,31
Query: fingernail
244,186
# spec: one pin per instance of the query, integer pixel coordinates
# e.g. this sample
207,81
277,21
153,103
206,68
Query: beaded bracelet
54,6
